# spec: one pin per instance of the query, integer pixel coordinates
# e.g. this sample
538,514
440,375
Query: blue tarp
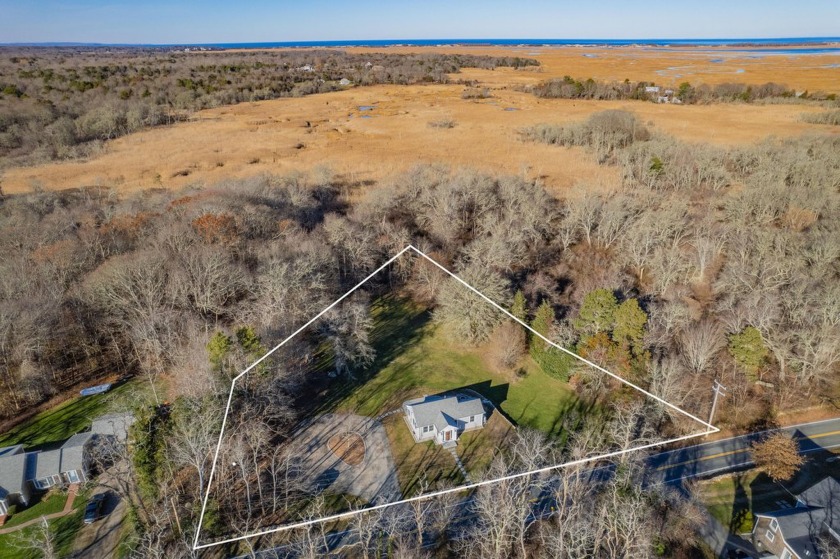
95,390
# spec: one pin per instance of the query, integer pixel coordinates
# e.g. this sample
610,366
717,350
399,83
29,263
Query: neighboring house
345,81
795,532
652,89
443,417
113,425
13,478
68,464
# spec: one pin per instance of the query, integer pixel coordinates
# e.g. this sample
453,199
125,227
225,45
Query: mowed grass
63,530
68,418
40,505
416,357
419,462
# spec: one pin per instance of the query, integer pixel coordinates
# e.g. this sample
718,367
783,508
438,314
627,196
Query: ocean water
763,46
747,45
757,43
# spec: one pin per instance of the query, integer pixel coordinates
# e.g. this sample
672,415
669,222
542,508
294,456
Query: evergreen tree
218,350
629,325
518,308
250,342
748,350
597,313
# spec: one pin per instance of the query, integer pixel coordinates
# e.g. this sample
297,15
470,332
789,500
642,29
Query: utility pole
720,390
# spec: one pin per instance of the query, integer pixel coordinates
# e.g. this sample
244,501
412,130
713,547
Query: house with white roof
443,418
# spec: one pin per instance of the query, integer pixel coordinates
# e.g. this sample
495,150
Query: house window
472,418
774,524
770,536
786,554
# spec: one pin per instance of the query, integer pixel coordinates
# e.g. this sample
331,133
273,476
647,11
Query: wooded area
706,264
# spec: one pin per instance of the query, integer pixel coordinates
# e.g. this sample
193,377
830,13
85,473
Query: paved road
717,457
670,467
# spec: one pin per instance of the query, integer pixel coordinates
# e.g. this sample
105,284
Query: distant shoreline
830,43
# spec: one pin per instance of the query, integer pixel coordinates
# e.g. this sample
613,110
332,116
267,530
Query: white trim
709,427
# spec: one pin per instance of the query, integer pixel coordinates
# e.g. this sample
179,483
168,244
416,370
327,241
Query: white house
444,417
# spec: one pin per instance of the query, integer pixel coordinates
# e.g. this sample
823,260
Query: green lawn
419,461
39,505
64,531
416,358
65,420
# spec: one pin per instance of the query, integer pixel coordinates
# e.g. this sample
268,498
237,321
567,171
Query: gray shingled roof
10,450
800,527
822,494
442,411
47,463
72,452
12,474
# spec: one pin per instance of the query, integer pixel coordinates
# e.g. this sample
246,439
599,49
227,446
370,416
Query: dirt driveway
374,479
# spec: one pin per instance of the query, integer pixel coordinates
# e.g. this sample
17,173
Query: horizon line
442,41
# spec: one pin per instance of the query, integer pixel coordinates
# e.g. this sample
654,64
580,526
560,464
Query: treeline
571,88
738,252
62,103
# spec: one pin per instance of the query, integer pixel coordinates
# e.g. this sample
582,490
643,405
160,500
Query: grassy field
733,499
255,138
65,420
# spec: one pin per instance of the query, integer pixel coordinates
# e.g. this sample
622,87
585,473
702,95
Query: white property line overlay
709,427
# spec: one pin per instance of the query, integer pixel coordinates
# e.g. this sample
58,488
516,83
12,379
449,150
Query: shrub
825,117
443,123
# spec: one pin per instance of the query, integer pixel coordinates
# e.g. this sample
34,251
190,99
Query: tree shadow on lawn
399,324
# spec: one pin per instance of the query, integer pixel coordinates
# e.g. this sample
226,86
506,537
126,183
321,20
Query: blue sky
216,21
